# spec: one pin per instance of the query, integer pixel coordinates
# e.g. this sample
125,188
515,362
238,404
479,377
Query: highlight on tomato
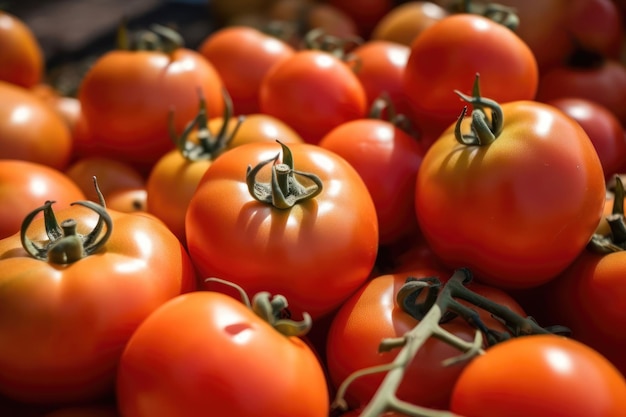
515,193
73,290
295,220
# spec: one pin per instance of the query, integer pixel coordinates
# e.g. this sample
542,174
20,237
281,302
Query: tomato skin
63,327
603,128
126,97
530,201
21,57
206,352
447,56
312,92
407,20
31,130
371,314
242,56
315,253
26,185
387,158
540,376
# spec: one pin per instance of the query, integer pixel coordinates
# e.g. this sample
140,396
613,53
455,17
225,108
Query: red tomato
126,97
450,53
407,20
242,56
540,376
380,67
387,159
371,314
206,353
21,57
31,130
25,185
65,318
518,210
316,253
313,92
602,127
365,14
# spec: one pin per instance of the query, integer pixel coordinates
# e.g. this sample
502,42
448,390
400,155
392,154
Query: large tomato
206,353
70,301
126,97
21,57
449,53
517,202
31,130
316,252
540,376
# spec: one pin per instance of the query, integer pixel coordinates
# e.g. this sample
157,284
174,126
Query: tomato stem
284,190
616,240
318,39
499,13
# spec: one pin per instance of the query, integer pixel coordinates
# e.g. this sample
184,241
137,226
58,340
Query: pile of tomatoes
224,230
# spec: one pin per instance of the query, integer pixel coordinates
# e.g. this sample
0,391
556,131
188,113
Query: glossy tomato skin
371,314
540,376
407,20
242,56
313,92
31,130
387,158
518,211
63,327
447,56
126,97
206,352
21,57
603,128
315,253
25,185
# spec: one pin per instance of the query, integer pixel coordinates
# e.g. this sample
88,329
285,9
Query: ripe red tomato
518,210
31,130
126,97
21,57
207,353
407,20
316,253
387,159
25,185
242,56
603,128
450,53
372,314
540,376
366,14
313,92
64,322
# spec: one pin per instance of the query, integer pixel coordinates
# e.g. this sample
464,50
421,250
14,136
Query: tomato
31,130
126,97
604,84
407,20
25,185
313,92
315,253
242,56
448,54
67,107
206,352
112,175
387,159
603,128
379,65
371,315
518,209
365,14
67,313
21,57
540,376
129,200
256,127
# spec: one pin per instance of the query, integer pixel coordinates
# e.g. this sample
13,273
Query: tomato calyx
284,190
615,241
207,145
66,245
318,39
484,128
157,38
499,13
272,309
382,108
